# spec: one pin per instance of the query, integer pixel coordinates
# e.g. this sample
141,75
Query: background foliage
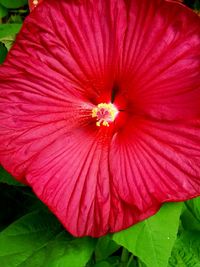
30,236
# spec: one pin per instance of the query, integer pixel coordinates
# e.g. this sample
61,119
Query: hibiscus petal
56,67
158,162
72,177
34,113
53,74
77,44
160,60
60,67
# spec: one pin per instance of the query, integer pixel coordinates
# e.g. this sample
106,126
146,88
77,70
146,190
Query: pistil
105,113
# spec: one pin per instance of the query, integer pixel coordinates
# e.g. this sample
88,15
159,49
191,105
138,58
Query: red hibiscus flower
99,109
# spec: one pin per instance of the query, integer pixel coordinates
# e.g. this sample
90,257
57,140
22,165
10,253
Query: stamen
104,113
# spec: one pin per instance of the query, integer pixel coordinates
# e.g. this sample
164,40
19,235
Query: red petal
55,70
33,116
72,177
53,74
82,51
153,162
60,66
160,60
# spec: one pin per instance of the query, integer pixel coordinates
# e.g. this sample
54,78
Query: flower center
104,113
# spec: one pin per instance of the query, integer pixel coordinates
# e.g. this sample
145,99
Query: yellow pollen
104,113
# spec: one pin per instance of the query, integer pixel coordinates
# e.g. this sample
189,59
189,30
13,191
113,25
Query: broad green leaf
13,3
3,52
36,259
25,236
186,251
63,251
152,240
105,247
3,11
10,29
6,178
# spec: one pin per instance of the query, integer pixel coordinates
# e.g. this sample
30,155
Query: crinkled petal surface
104,179
160,60
159,162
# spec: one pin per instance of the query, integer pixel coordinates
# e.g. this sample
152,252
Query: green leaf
105,247
3,11
9,29
36,241
191,216
152,240
6,178
3,52
26,236
13,3
65,252
194,206
186,251
103,264
111,262
8,42
36,259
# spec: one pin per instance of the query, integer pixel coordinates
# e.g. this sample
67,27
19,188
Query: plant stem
124,257
130,260
140,263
